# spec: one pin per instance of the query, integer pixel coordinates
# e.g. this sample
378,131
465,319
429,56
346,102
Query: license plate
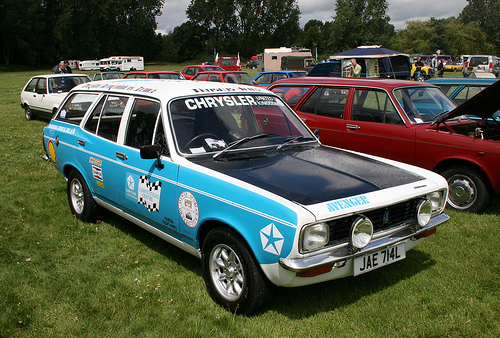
379,258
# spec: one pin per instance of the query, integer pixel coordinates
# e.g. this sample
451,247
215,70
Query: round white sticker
188,208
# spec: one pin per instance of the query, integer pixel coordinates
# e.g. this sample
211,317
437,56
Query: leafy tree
245,26
486,14
359,22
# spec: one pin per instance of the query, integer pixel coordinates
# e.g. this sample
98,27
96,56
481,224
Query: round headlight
361,232
424,213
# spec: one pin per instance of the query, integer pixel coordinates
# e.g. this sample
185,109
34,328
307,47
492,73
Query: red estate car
190,71
238,77
409,122
155,74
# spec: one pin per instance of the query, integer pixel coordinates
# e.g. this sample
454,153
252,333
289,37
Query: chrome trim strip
343,254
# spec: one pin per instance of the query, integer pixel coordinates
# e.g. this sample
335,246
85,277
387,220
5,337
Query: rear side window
106,116
31,86
75,107
329,102
374,106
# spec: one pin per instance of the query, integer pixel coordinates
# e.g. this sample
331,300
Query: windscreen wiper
292,140
236,143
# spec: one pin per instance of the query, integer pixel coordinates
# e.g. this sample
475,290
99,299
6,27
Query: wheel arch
450,163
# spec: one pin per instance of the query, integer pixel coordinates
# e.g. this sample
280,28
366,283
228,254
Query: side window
141,124
466,94
329,102
106,116
374,106
189,71
41,86
214,78
202,77
265,79
160,137
75,107
31,86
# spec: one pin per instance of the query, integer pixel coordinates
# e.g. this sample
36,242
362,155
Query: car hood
484,104
316,175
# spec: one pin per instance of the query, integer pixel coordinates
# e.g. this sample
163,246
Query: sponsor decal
97,173
52,152
347,203
188,209
95,161
149,193
101,184
229,101
272,240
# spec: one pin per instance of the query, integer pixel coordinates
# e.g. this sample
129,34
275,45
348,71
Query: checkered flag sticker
149,194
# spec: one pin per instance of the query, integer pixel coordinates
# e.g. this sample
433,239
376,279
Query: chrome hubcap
226,272
77,198
462,191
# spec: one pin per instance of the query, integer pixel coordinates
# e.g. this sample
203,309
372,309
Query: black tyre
80,200
28,113
468,190
233,278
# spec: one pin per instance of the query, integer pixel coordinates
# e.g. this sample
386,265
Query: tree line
34,32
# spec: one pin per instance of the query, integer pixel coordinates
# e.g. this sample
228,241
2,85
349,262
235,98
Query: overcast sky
400,11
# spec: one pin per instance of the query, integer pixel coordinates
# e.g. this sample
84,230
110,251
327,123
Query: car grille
383,219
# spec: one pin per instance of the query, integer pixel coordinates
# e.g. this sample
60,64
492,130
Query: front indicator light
424,213
361,232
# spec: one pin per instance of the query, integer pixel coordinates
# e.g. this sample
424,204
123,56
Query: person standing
355,70
418,69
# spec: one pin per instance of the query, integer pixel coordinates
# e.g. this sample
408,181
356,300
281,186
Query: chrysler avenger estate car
408,122
231,175
43,94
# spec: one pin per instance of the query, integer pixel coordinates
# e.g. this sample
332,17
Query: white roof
167,89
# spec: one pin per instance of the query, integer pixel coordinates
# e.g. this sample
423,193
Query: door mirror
152,151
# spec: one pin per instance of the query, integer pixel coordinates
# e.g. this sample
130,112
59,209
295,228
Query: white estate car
43,94
230,174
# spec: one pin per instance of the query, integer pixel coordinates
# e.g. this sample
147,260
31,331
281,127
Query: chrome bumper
343,254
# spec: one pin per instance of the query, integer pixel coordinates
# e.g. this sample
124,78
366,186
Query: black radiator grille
382,219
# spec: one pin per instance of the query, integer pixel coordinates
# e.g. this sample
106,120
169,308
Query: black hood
484,104
315,175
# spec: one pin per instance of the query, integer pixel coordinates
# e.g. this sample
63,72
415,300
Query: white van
122,63
484,64
88,65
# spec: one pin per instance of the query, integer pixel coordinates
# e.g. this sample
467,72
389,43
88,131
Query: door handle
121,156
81,142
352,126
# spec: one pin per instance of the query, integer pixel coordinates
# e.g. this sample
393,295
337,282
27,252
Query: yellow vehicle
453,66
427,71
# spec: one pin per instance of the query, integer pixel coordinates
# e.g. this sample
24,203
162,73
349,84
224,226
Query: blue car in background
461,89
264,79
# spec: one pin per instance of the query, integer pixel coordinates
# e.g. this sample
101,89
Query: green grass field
61,277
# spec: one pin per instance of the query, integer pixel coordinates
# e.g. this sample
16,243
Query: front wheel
468,190
28,113
80,199
231,275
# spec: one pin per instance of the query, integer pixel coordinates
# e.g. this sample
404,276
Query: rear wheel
80,199
468,190
231,274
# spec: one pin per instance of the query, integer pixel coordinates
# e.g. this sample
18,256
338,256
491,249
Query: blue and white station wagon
231,175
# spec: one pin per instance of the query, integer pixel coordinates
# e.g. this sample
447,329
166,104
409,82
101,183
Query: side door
39,96
323,111
374,126
147,187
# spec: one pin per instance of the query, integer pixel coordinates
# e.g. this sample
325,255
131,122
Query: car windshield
64,84
240,78
422,104
209,124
